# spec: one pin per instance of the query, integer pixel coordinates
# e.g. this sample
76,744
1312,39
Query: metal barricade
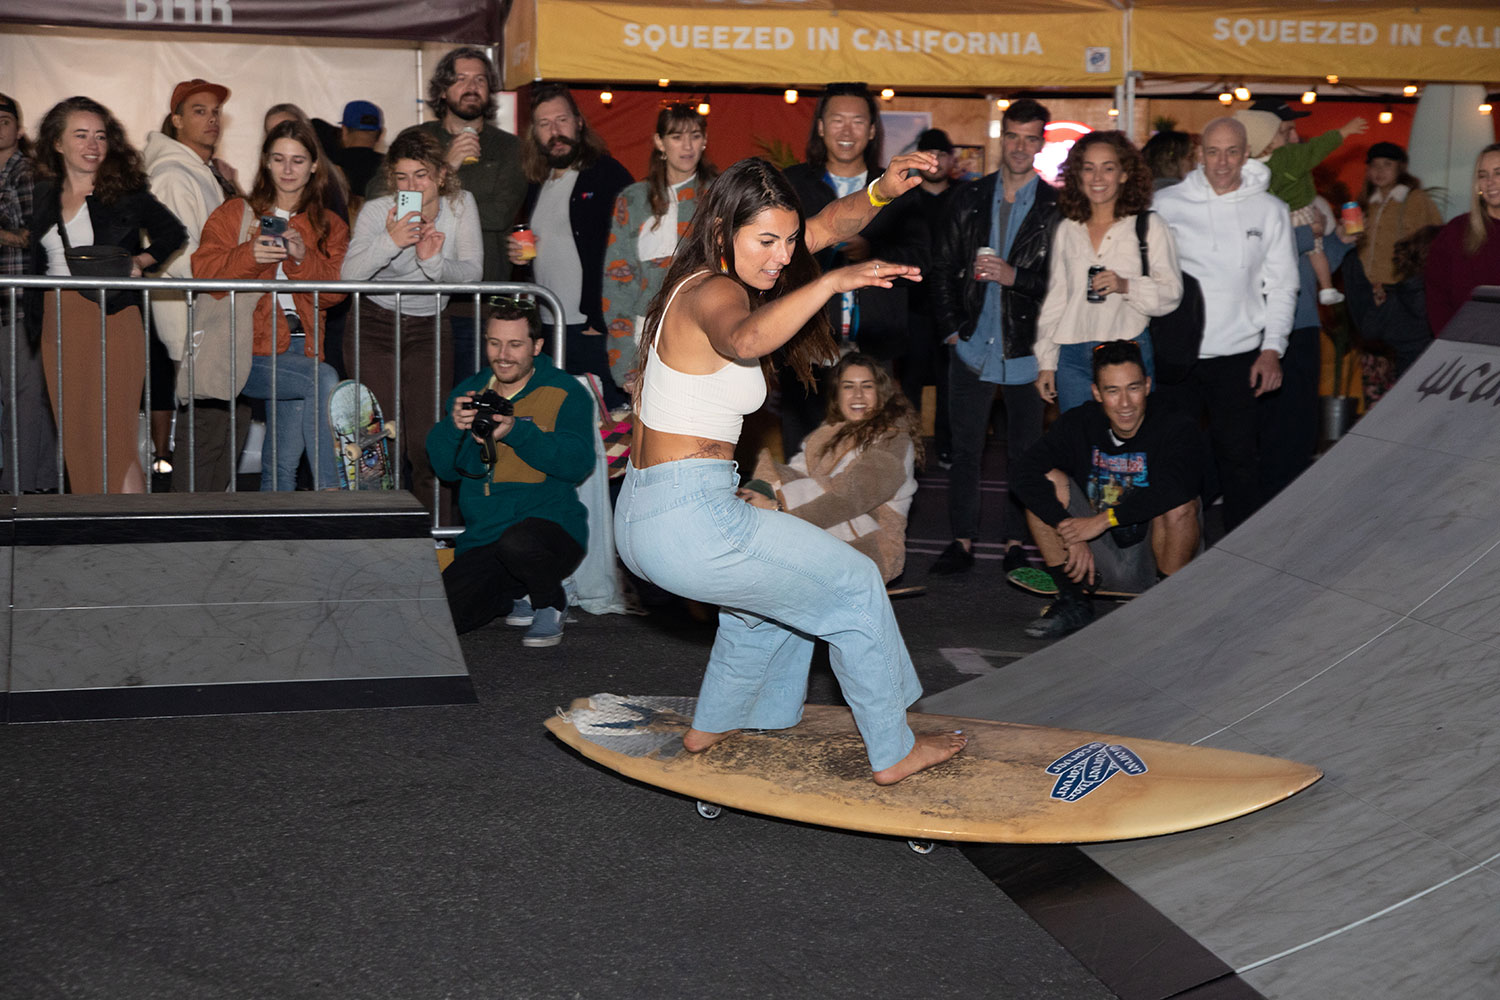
11,289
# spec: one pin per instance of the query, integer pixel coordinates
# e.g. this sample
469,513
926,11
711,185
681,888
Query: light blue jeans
780,582
1075,370
296,418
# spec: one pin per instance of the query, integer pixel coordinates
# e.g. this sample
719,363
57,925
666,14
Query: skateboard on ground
1039,581
363,438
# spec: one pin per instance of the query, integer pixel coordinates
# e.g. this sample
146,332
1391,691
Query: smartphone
273,226
408,202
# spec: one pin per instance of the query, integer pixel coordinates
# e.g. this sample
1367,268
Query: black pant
802,410
587,354
532,557
1221,387
970,399
1287,419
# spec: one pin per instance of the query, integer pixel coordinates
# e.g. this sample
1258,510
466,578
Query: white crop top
710,406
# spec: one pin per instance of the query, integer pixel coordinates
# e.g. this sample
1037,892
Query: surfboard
1012,784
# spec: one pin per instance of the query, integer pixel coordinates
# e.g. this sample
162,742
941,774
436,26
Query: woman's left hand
904,173
1110,283
296,248
880,273
429,241
139,263
267,250
756,499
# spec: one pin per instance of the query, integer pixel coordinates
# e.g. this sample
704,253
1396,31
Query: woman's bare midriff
655,447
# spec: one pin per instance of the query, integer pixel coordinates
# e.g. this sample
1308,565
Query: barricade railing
466,299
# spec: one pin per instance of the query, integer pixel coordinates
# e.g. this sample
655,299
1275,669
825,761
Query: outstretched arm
847,216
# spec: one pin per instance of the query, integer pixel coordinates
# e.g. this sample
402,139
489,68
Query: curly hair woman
1096,291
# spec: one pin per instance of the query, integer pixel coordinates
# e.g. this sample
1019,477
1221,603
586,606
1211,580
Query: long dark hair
446,73
23,144
894,414
817,148
122,169
534,159
674,118
733,201
314,201
1135,186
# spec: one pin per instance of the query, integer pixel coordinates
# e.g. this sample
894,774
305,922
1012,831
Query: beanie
1260,129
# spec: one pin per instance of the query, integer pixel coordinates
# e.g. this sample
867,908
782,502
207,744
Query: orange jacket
220,254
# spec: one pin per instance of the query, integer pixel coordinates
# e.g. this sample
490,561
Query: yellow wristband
1114,522
875,199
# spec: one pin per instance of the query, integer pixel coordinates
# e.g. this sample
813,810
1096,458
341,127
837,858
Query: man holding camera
519,439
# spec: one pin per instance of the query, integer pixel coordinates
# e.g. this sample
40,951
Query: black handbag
98,260
1176,337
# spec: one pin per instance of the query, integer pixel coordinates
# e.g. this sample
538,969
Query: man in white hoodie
1236,238
186,177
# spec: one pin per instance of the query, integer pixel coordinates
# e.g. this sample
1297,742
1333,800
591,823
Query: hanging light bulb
1486,107
1310,96
790,97
887,94
703,108
1226,98
1003,103
1386,115
605,96
1242,93
1332,78
663,82
1114,112
1410,90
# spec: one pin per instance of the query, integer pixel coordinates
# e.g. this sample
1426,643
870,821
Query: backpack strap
1141,221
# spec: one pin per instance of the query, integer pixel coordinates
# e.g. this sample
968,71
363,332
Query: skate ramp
1353,624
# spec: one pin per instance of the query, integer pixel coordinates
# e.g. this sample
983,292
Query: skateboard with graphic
1012,784
363,438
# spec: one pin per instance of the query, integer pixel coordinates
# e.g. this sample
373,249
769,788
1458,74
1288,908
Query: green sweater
540,463
1292,165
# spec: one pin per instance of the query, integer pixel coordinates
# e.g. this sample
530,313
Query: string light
1410,90
1486,107
1003,103
605,96
790,97
703,108
887,94
1242,93
1310,96
1386,115
1226,98
1114,112
663,82
1332,78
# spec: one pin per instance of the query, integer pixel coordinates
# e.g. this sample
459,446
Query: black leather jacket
957,298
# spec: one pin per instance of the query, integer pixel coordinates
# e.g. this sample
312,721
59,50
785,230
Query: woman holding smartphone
94,194
426,230
285,231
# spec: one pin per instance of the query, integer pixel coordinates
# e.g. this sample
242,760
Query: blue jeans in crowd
1075,370
780,582
295,418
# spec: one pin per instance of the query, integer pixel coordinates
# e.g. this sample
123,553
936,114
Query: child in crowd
1272,138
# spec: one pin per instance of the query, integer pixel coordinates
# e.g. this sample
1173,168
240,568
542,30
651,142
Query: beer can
1353,218
473,159
1092,295
526,238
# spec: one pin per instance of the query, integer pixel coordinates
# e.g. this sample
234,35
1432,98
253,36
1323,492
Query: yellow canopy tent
949,44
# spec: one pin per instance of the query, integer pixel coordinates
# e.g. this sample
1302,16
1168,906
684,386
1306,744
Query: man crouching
519,438
1101,483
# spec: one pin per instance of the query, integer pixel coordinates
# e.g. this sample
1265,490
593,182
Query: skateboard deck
1012,784
363,438
1040,582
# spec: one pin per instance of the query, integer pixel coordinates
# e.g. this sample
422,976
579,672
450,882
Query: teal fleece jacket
539,464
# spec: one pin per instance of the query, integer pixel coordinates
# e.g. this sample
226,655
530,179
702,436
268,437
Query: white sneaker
1329,296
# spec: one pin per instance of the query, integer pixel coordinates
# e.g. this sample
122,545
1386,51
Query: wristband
875,199
1114,522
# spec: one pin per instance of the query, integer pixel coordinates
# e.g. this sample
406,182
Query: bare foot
931,748
697,741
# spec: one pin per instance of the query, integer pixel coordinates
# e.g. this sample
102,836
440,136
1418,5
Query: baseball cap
362,116
1281,109
188,88
1388,150
935,138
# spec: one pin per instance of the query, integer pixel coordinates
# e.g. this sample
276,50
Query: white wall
133,72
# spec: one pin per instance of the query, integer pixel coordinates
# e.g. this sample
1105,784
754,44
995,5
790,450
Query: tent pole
1127,110
420,103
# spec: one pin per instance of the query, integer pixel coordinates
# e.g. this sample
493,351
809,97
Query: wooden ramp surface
1013,784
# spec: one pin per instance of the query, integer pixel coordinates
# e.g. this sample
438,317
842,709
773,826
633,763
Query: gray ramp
1354,624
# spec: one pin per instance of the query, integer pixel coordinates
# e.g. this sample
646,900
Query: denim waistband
712,473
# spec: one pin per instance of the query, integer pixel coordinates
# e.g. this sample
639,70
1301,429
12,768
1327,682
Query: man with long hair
487,158
569,207
844,156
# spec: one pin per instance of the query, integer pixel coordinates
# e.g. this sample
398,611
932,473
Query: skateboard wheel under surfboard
922,846
708,810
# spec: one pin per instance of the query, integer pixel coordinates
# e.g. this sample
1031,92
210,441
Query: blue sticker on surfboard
1082,770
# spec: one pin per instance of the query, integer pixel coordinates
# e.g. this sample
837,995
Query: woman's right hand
267,250
405,231
877,273
1046,386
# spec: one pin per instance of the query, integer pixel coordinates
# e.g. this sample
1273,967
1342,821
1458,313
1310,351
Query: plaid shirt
16,182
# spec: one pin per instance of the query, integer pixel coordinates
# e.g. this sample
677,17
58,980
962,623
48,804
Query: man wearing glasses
526,530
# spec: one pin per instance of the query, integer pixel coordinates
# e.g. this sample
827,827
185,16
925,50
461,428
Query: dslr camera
487,406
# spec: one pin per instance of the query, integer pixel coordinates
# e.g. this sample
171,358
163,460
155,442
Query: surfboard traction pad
824,756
